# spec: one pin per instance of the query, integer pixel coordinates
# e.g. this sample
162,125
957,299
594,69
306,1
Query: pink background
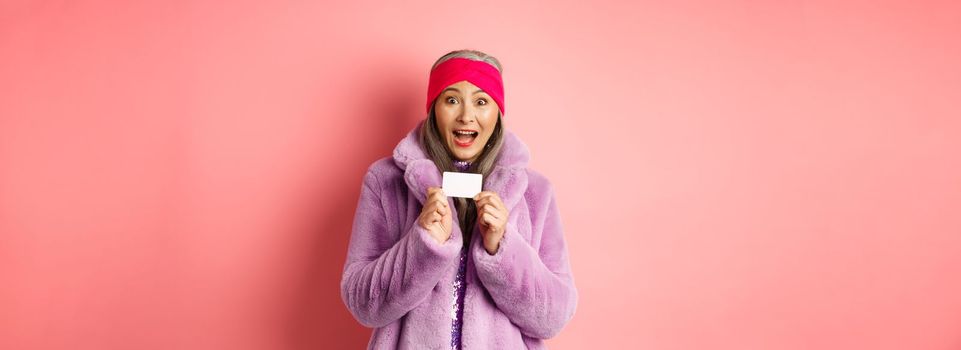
732,175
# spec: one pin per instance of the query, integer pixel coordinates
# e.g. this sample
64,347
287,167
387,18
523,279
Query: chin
463,158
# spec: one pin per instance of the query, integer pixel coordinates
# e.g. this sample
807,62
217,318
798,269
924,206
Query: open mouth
464,138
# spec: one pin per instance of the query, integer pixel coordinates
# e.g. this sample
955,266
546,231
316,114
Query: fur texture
398,279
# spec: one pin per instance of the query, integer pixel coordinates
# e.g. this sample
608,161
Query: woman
432,272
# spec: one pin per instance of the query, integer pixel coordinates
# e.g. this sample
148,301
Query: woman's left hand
492,216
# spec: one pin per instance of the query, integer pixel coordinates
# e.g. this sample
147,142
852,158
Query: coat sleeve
385,277
534,288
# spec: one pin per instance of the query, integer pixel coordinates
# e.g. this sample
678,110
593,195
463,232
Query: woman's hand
435,217
492,216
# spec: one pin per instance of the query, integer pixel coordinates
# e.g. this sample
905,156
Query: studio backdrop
730,175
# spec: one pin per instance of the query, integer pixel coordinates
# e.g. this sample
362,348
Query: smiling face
466,117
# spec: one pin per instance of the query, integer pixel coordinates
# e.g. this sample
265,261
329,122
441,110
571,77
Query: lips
464,137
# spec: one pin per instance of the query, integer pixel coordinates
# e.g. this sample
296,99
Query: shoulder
539,187
382,171
537,179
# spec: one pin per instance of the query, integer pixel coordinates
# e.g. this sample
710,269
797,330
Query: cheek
490,120
444,118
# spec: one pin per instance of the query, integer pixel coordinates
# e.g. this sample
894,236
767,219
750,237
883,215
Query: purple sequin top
457,307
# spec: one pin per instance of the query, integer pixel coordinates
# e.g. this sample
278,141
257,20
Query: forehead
463,87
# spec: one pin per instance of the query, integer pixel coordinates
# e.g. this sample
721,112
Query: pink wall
748,175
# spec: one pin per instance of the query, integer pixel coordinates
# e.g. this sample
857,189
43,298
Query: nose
467,114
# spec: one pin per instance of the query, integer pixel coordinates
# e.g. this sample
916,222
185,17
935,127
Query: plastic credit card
466,185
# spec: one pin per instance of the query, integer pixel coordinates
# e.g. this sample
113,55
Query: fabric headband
479,73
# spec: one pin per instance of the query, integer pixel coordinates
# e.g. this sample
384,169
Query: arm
534,288
385,279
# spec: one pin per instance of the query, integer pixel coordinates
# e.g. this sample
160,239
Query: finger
481,209
440,211
491,206
479,205
438,202
482,200
432,208
498,202
481,195
440,197
492,197
436,192
489,219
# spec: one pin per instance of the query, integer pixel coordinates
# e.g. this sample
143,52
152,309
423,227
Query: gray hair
471,55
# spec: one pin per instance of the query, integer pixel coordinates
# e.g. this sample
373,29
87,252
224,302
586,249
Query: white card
465,185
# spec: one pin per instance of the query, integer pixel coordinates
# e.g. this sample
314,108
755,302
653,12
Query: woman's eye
482,101
451,100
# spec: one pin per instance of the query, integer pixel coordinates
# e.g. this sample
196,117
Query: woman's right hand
435,217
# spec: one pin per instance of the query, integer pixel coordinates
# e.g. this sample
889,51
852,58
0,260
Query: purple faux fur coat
398,279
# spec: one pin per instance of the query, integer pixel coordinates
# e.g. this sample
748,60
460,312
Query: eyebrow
458,90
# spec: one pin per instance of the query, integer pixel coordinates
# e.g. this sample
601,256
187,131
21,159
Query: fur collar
508,178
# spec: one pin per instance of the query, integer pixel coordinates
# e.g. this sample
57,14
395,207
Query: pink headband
479,73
